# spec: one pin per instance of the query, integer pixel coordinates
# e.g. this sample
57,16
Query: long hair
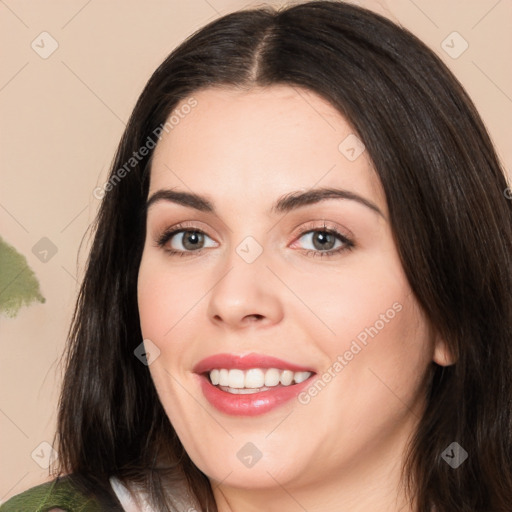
451,223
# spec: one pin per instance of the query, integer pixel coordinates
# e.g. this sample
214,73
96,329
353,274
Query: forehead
275,139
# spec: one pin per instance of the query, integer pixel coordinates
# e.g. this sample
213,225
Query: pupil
322,237
193,238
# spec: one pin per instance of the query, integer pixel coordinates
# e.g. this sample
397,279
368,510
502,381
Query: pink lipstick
251,384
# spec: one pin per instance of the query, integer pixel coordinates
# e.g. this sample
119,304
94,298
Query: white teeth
214,377
236,379
241,382
301,377
286,378
272,377
223,377
254,378
243,391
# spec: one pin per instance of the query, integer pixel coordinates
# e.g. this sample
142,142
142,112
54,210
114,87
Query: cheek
381,363
344,302
374,336
164,297
152,304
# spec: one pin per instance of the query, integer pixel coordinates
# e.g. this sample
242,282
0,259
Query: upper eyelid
328,226
311,225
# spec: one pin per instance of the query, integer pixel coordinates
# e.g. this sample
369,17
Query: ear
442,355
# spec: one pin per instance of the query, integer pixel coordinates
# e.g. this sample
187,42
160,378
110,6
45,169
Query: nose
246,294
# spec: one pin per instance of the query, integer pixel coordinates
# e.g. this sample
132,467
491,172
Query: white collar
125,497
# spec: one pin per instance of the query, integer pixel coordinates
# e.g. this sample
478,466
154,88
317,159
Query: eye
184,240
180,241
325,242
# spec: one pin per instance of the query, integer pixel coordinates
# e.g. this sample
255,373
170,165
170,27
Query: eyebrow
284,204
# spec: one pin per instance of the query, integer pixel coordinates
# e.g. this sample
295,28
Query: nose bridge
249,251
246,289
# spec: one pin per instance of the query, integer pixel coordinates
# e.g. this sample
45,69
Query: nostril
255,317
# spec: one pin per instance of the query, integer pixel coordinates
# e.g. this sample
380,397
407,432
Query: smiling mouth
254,380
250,384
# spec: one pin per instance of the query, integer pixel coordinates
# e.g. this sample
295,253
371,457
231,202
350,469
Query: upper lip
246,362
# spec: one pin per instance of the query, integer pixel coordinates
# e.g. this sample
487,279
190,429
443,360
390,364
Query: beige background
61,119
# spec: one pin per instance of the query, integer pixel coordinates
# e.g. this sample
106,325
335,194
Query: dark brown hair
451,223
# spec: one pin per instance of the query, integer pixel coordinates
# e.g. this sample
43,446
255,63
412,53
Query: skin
343,450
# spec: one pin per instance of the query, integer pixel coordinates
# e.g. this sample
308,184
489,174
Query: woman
298,295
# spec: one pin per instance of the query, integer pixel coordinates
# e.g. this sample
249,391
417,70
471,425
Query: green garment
58,493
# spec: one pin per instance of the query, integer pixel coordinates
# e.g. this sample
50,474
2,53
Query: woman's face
315,283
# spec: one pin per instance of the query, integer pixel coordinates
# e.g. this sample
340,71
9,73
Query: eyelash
167,235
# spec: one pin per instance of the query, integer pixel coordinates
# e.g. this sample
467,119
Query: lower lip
251,404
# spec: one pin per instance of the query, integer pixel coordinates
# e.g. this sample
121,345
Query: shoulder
57,494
